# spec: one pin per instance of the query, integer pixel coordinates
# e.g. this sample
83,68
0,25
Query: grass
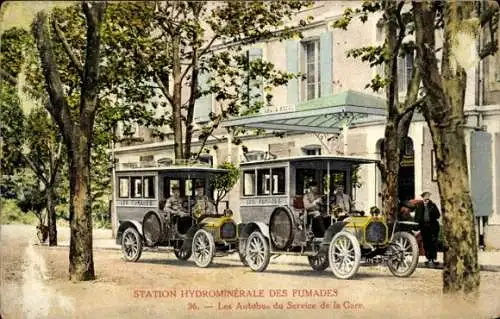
11,214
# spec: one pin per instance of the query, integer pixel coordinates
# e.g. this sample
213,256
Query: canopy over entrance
327,114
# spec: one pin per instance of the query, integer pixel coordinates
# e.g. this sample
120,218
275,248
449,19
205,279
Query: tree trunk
81,265
51,216
444,113
177,98
461,268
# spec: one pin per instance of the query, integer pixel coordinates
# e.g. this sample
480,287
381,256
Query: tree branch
163,88
57,106
39,173
202,53
94,14
215,123
57,163
60,35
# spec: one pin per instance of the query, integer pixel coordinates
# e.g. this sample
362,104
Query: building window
123,184
405,69
249,183
379,37
311,88
278,180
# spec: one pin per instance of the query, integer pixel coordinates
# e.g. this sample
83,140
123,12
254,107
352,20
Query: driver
173,205
203,205
312,202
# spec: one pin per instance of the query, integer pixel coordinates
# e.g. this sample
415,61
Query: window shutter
203,105
481,173
257,85
292,56
325,60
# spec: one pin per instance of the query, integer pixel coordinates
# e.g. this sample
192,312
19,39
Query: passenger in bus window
312,204
203,205
174,203
343,200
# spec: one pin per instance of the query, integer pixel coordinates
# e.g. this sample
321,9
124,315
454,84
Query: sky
21,13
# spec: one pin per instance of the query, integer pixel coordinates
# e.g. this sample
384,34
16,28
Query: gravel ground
34,285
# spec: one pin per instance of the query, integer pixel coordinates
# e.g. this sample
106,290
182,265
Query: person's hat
425,193
175,186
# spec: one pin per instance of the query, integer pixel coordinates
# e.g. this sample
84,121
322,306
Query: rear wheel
344,255
403,254
203,248
131,245
257,252
241,251
182,254
318,262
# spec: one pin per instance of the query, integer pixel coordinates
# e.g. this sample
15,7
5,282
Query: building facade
321,55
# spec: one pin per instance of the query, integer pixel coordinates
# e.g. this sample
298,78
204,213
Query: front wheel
403,254
257,252
318,262
131,245
344,255
203,248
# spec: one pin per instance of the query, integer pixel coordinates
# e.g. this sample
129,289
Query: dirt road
34,285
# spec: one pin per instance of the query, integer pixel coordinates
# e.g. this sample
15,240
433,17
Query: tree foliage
223,183
163,49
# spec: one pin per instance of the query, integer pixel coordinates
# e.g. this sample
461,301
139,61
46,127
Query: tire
182,254
344,255
241,251
131,245
402,247
318,262
203,248
257,252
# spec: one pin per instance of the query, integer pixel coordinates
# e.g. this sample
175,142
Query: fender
250,227
126,224
330,232
188,240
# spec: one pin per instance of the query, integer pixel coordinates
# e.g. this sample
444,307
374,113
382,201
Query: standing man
427,215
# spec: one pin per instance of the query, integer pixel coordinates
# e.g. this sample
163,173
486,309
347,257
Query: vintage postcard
250,159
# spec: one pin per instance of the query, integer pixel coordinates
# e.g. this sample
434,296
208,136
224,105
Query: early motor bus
277,223
141,195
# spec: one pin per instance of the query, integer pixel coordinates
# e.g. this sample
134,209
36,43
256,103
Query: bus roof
172,168
307,158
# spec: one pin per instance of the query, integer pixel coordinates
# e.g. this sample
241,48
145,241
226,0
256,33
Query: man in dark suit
427,215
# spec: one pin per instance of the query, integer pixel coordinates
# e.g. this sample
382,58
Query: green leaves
223,183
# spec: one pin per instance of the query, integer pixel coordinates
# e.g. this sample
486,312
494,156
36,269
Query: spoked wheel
203,248
131,245
182,254
344,255
318,262
403,254
257,251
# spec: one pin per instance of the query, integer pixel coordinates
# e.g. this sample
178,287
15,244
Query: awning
327,114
